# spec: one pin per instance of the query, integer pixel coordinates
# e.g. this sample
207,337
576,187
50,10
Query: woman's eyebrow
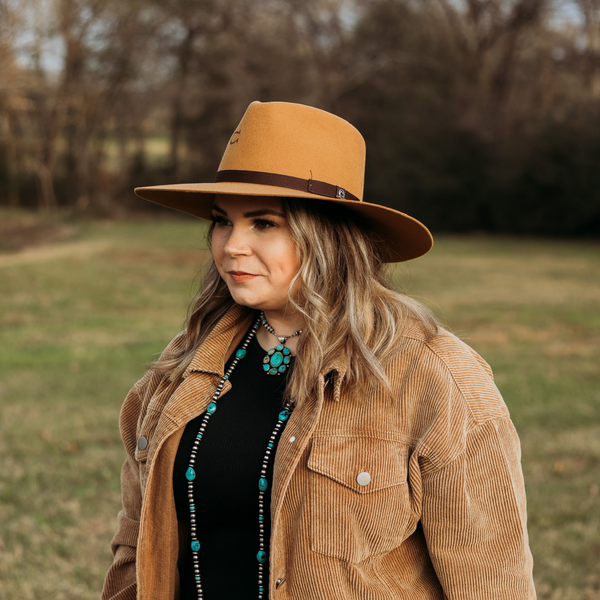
252,213
263,211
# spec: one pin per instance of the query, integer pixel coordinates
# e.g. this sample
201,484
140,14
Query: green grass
79,319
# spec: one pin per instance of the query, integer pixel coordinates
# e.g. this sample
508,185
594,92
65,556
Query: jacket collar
334,372
210,357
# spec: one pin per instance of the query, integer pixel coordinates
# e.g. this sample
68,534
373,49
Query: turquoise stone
284,414
276,359
240,353
272,371
286,350
195,546
271,351
211,408
286,360
280,347
263,484
261,556
282,368
266,367
261,518
190,474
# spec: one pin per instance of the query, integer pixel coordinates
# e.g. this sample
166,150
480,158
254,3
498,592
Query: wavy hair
352,312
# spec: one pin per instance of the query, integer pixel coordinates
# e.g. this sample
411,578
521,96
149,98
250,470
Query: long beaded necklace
263,484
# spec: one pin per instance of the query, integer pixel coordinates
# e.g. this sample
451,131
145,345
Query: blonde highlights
354,319
353,316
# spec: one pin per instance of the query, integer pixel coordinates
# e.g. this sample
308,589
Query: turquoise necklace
278,358
263,483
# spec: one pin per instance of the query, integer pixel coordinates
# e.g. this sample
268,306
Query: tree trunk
177,109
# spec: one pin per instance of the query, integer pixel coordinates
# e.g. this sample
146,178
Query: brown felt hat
296,151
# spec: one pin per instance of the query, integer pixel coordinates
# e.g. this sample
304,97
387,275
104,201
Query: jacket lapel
195,392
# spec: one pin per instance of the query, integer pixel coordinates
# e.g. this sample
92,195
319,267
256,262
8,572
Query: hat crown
299,141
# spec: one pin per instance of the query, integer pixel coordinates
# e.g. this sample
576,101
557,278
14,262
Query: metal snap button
142,443
293,438
363,478
279,582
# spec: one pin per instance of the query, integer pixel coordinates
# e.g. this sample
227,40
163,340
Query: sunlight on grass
80,318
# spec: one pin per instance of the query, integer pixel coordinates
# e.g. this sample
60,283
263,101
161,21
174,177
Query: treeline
479,115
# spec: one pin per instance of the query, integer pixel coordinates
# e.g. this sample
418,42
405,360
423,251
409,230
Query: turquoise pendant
277,360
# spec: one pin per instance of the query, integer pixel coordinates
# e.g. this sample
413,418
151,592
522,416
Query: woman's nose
237,242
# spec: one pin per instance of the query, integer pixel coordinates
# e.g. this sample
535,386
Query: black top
228,466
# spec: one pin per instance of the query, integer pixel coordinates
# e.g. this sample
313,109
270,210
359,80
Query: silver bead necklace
263,484
278,358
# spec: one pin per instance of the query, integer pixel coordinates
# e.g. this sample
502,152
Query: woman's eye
218,220
263,224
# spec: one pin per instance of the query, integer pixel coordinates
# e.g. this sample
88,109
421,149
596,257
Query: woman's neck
283,324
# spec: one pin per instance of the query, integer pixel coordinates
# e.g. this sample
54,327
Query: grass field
79,318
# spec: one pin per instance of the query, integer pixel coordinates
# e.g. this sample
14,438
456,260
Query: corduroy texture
443,516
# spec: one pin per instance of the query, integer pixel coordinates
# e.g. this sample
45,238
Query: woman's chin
259,303
248,300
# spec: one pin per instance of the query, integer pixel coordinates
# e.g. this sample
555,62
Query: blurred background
481,117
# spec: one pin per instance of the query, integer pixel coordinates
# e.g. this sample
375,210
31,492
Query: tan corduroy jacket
443,516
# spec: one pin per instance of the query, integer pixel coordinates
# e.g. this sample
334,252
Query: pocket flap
344,458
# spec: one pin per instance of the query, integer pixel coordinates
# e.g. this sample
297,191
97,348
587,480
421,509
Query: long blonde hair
351,311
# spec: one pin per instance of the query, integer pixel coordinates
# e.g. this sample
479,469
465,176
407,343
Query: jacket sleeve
474,518
120,582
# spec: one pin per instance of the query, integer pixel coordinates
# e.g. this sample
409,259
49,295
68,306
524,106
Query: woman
313,434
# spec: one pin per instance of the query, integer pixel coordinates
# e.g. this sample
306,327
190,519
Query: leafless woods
478,114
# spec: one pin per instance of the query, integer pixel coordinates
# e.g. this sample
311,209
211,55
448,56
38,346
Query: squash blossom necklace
278,358
276,361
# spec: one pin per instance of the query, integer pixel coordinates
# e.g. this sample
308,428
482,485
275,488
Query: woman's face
253,250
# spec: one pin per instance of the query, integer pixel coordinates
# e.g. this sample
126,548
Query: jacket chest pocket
359,502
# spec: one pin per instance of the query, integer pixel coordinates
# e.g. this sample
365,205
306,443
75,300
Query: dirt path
44,253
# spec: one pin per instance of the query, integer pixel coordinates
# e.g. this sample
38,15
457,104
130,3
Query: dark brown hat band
313,186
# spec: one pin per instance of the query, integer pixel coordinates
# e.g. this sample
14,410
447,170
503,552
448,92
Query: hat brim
400,236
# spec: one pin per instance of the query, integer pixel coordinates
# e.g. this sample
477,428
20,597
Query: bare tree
590,10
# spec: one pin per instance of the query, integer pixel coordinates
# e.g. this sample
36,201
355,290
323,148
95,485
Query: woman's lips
239,276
